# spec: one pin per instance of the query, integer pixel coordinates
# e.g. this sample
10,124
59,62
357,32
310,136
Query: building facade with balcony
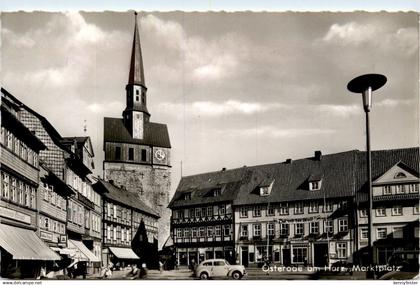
202,223
22,251
123,212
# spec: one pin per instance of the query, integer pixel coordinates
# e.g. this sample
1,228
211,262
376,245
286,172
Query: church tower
137,151
135,113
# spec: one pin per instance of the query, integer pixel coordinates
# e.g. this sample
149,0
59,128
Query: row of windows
118,234
51,225
148,221
400,189
17,191
76,213
96,223
199,232
18,147
382,233
48,194
396,210
284,208
299,228
130,155
209,211
84,188
118,212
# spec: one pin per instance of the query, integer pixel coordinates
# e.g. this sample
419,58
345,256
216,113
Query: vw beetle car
212,268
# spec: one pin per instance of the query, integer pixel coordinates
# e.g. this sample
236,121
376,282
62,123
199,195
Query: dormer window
400,175
315,185
264,191
186,196
217,192
265,187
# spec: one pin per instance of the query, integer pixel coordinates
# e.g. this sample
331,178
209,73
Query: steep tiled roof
124,197
52,132
154,134
201,185
291,179
382,161
342,175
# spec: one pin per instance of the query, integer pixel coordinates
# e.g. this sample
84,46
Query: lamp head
365,84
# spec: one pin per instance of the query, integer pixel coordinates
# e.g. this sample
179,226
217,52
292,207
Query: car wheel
204,276
236,275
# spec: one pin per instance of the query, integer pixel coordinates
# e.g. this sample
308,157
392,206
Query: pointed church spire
136,75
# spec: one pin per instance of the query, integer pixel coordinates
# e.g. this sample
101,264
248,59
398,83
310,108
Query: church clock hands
160,154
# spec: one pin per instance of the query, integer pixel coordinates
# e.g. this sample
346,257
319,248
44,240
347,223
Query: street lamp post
365,84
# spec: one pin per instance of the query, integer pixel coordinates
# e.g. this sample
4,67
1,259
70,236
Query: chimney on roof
318,155
224,169
289,161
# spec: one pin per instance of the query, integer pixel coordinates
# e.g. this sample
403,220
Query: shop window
300,254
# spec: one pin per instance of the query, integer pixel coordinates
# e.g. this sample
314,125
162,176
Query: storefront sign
46,236
15,215
63,239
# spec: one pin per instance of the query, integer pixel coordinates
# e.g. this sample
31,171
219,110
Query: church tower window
131,153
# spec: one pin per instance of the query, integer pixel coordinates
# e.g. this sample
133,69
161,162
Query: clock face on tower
160,154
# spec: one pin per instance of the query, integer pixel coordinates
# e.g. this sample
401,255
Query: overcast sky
234,88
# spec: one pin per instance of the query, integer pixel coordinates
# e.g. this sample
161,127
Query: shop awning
25,244
84,254
123,253
68,251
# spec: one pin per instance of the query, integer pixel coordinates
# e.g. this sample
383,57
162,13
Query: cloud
403,41
339,110
199,59
105,107
275,132
393,103
73,45
23,41
349,33
214,109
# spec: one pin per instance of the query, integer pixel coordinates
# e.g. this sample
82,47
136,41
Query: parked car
212,268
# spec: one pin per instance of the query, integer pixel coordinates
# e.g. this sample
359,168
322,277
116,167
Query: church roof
136,75
154,134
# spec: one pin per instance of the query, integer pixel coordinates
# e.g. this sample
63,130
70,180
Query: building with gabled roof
304,211
137,151
203,217
123,212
